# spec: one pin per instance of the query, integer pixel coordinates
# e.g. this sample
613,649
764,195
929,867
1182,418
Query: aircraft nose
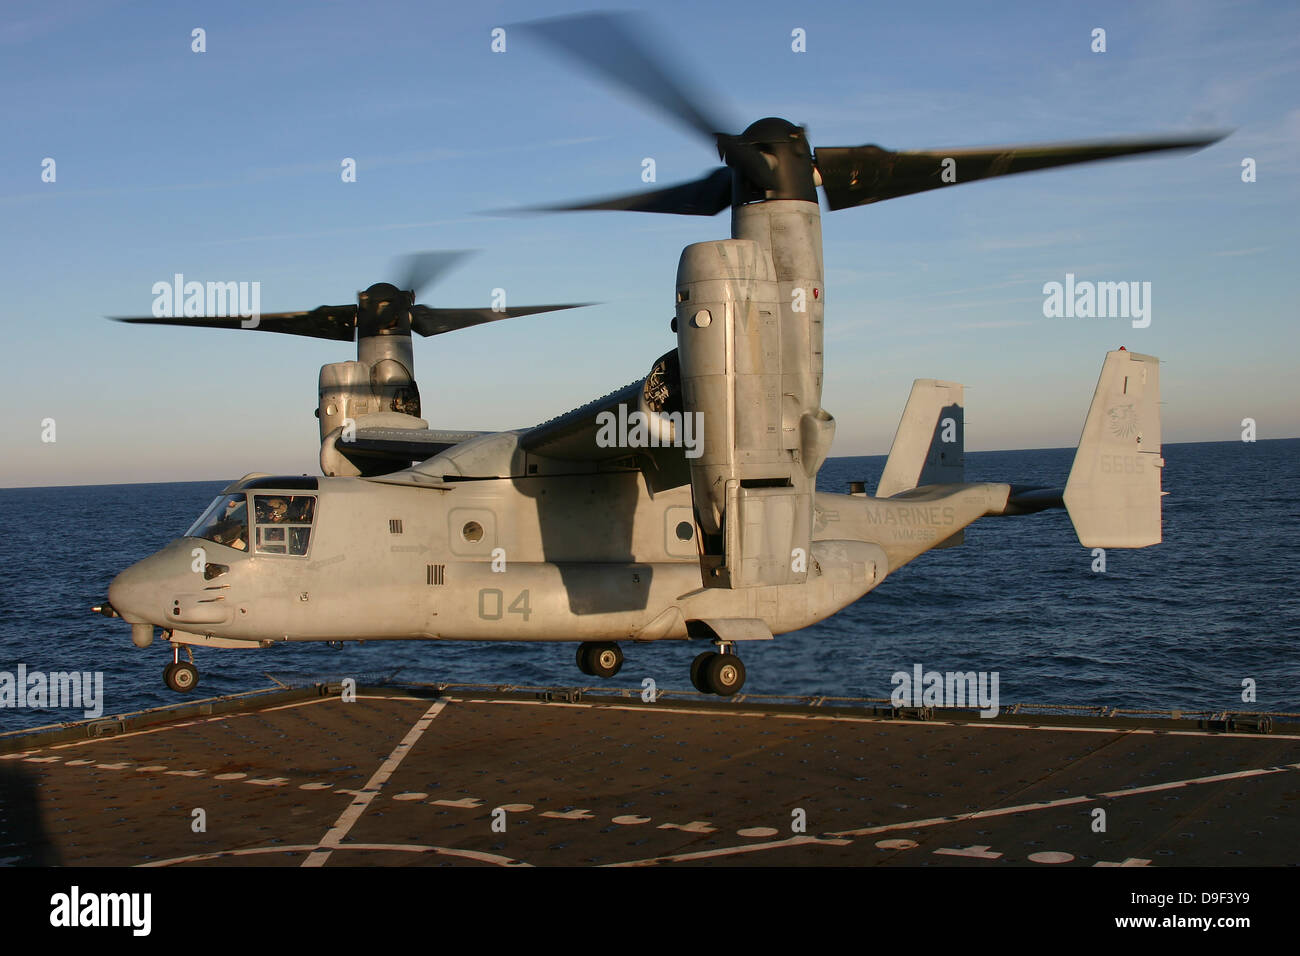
137,593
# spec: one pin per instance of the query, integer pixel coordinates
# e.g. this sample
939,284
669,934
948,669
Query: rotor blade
607,43
419,269
430,321
336,322
707,196
857,175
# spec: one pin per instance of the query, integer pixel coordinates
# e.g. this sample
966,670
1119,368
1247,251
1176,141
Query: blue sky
225,166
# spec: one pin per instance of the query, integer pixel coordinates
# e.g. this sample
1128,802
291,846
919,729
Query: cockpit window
283,523
225,522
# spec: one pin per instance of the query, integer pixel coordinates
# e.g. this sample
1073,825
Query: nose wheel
181,676
600,659
722,674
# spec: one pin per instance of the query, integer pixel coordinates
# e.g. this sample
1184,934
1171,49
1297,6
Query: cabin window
225,522
283,523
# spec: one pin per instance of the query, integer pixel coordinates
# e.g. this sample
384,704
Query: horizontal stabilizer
1113,493
1025,500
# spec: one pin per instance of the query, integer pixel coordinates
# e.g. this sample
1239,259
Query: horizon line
986,451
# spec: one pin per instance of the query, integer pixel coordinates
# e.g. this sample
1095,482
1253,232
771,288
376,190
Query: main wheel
182,677
724,675
583,665
697,671
605,660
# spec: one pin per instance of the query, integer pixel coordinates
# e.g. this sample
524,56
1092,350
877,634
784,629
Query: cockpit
225,522
281,522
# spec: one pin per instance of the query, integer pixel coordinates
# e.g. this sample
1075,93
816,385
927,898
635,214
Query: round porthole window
684,531
472,532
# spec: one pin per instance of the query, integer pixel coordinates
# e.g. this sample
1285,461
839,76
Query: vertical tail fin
1113,494
929,446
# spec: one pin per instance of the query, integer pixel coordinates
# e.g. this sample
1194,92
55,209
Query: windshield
284,523
225,522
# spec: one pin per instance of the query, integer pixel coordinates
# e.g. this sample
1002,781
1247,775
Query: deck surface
391,779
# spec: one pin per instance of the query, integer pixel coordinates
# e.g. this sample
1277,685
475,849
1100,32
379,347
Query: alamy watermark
208,300
74,909
58,689
922,688
657,430
1098,300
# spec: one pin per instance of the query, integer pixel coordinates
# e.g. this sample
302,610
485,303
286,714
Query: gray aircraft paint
588,556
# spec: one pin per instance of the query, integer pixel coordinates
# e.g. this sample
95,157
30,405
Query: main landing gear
599,659
181,675
718,673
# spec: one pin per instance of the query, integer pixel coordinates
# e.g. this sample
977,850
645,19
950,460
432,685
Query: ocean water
1177,626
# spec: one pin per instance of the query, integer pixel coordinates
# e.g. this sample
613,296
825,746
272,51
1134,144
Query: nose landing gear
179,675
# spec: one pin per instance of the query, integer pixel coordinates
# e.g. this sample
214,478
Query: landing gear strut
181,675
603,659
718,673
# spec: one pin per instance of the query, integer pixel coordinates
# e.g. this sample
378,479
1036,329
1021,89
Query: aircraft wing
418,444
577,436
573,435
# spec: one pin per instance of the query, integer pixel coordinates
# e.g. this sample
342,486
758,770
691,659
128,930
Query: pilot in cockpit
300,508
272,510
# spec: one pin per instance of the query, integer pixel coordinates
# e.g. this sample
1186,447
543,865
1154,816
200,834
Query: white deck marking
977,852
1217,778
695,826
464,803
477,855
207,720
349,817
897,844
854,719
1131,861
189,723
731,850
712,713
843,837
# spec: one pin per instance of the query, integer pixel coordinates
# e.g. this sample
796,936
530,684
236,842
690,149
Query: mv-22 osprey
613,523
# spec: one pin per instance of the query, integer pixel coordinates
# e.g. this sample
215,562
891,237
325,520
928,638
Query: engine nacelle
746,366
379,385
344,395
